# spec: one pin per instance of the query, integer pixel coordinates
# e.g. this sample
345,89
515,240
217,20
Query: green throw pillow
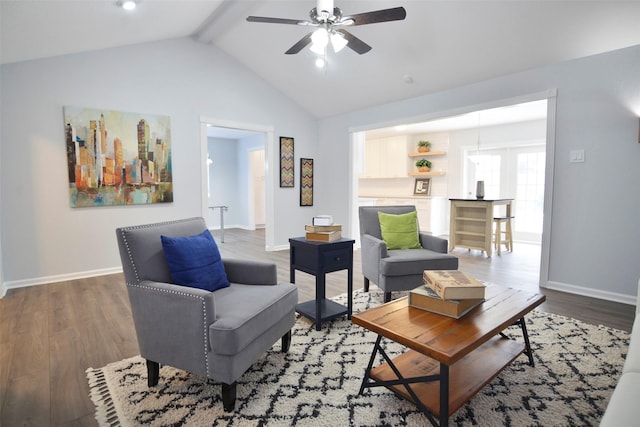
400,231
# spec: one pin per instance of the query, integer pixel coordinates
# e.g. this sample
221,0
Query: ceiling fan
329,22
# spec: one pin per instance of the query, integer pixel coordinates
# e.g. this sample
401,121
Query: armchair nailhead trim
135,270
126,244
137,227
204,314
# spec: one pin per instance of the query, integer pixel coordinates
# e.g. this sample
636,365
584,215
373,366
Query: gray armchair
217,335
398,269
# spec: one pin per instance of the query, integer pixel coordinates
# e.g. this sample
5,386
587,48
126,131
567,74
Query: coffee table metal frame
412,362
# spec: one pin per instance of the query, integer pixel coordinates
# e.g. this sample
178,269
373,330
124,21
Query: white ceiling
441,44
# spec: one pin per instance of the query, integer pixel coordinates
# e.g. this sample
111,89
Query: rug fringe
106,413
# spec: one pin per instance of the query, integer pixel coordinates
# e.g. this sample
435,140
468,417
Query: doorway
458,186
235,174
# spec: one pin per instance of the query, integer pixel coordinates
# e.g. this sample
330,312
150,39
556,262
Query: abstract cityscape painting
117,158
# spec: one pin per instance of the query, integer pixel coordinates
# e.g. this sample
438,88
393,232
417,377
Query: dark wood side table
319,258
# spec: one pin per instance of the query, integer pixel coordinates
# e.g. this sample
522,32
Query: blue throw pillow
195,261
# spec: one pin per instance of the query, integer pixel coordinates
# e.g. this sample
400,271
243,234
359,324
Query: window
511,172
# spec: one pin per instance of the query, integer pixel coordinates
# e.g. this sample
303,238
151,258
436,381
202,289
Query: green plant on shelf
423,146
423,163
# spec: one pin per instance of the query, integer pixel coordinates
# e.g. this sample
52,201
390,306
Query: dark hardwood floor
50,334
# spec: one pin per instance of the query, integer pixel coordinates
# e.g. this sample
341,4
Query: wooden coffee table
449,360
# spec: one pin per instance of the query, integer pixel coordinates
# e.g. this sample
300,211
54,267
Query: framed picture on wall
422,187
287,167
117,158
306,182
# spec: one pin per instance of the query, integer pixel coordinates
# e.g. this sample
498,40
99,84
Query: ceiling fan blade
355,43
302,43
385,15
267,20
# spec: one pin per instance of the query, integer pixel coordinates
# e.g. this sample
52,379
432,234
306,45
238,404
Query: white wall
595,235
223,183
48,240
243,177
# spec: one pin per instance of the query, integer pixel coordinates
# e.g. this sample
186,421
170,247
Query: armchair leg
229,396
387,296
286,341
366,284
153,373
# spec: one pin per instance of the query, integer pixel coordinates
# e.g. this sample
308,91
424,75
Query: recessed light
320,62
127,4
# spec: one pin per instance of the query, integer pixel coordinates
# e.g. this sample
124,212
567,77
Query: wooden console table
471,223
319,258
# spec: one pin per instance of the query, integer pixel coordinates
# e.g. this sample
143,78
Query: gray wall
595,235
45,240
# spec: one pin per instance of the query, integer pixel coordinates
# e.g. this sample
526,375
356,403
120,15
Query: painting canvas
306,182
286,162
117,158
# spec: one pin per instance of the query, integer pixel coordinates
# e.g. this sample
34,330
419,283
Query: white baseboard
230,226
60,278
590,292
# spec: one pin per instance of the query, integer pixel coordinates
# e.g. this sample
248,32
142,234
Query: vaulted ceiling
440,45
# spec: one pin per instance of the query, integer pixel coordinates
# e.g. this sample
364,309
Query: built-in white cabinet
385,158
432,215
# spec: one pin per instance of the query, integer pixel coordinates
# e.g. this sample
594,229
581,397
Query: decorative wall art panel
287,173
117,158
306,182
422,187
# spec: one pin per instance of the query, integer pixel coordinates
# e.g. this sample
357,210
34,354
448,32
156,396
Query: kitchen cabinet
432,215
471,223
385,158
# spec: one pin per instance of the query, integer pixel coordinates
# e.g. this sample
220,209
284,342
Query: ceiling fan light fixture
319,41
127,4
325,8
338,42
317,49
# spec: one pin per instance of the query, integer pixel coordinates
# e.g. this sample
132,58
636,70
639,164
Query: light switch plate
576,156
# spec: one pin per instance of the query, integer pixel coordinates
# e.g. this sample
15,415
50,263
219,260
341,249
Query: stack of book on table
451,293
323,229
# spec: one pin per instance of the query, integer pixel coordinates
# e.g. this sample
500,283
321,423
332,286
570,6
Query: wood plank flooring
50,334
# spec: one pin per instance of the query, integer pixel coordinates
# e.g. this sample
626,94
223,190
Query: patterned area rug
317,383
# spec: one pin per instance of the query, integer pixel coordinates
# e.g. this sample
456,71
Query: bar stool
508,236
